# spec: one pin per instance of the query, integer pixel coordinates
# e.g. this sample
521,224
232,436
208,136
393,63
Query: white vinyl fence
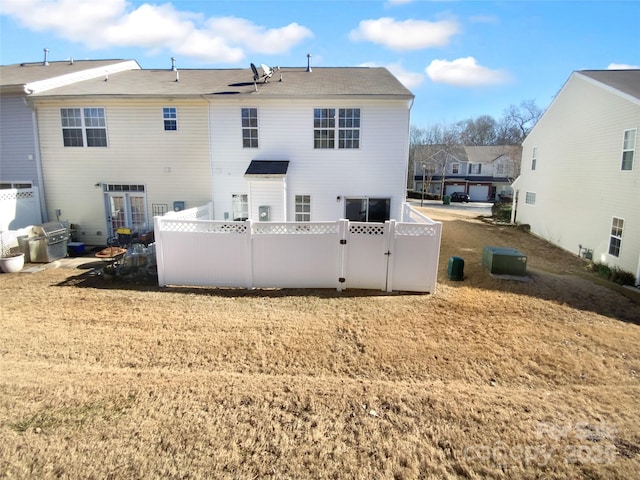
19,208
193,250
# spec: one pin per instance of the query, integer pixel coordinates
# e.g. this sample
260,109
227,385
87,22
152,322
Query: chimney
46,57
309,62
173,64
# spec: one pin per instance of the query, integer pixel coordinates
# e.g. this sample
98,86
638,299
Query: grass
484,379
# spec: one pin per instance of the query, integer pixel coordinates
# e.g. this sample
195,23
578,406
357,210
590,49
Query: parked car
460,197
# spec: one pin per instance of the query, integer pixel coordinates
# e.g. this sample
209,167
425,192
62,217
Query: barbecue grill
48,242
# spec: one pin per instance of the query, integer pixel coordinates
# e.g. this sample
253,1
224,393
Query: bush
501,211
614,274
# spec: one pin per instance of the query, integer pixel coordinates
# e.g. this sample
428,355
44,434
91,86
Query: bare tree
522,117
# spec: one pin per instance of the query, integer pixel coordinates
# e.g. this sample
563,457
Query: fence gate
367,255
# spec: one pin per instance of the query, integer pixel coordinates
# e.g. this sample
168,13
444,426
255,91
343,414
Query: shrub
614,274
501,211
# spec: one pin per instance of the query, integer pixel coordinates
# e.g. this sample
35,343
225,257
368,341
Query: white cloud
622,66
465,72
408,79
407,34
101,24
258,38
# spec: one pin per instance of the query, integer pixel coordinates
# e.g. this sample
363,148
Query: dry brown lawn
486,378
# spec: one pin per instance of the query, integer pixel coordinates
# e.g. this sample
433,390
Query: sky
461,59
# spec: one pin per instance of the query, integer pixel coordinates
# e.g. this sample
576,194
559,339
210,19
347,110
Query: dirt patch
487,378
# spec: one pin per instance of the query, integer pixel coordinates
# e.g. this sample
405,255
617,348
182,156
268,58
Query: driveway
472,208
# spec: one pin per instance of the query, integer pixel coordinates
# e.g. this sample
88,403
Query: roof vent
46,57
173,64
309,62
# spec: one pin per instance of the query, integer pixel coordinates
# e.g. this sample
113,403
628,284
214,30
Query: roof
625,81
25,73
466,153
267,167
286,82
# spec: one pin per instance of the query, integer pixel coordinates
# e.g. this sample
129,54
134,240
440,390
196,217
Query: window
240,207
455,168
530,198
368,209
500,169
170,117
249,128
475,168
303,208
349,128
83,126
534,157
324,128
628,148
616,236
324,124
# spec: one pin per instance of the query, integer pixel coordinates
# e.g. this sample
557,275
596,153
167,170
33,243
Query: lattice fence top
295,228
367,228
416,229
15,195
203,226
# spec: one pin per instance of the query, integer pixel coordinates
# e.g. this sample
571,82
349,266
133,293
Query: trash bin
446,199
455,269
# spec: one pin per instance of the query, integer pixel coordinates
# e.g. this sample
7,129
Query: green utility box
446,199
455,269
504,260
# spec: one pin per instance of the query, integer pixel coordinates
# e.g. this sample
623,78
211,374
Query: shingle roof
286,82
625,81
267,167
24,73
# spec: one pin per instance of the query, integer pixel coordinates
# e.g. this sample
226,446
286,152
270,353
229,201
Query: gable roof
286,82
624,81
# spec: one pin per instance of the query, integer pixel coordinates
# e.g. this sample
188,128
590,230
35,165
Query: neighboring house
305,146
20,161
579,186
484,172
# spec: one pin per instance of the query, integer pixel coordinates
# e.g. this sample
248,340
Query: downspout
213,205
38,159
406,169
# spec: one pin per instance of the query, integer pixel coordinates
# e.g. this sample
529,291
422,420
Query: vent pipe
46,57
309,62
173,64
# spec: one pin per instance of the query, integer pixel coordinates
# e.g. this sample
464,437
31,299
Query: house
20,159
484,172
579,186
300,145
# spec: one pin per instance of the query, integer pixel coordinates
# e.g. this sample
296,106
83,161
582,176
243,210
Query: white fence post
390,232
157,234
343,225
248,243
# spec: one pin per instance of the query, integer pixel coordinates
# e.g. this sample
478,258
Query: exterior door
126,210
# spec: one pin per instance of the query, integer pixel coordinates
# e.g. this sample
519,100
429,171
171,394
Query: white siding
578,182
18,152
376,169
173,165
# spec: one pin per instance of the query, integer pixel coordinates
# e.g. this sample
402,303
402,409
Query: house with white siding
20,161
301,145
579,186
483,172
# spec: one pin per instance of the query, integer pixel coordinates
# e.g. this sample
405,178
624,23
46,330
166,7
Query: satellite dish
267,71
256,77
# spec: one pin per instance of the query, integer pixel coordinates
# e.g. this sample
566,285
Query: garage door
479,193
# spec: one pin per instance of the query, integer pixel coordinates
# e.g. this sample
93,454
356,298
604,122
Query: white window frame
534,158
628,149
343,134
615,236
530,198
84,123
475,168
250,129
170,118
455,168
239,206
303,208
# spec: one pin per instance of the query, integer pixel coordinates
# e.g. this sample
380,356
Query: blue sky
461,59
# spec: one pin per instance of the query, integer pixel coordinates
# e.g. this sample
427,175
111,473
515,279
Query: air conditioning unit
504,261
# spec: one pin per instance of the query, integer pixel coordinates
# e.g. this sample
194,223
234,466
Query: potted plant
10,261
